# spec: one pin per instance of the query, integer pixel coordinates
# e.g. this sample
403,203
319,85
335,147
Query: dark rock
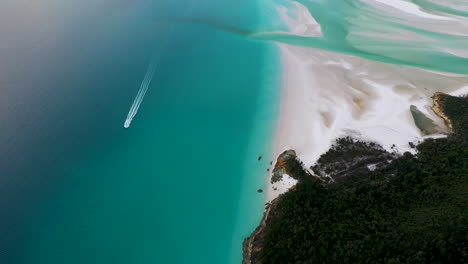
422,122
283,165
253,245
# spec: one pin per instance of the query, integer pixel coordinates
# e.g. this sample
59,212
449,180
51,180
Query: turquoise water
362,29
180,184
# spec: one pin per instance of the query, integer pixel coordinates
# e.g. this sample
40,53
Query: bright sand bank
327,95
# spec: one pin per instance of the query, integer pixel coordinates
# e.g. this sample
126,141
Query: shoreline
390,193
326,95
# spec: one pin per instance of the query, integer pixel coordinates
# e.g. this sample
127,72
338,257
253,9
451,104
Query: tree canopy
413,209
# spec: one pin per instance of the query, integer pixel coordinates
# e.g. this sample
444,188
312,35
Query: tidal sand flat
111,156
376,79
358,69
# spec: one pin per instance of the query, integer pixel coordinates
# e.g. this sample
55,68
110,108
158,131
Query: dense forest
379,207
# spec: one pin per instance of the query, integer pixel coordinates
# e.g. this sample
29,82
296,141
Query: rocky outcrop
422,122
253,245
348,159
438,108
286,163
282,165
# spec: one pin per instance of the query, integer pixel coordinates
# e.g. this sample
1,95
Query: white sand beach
327,95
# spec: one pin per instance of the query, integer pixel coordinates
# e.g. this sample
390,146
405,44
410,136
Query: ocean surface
130,131
179,185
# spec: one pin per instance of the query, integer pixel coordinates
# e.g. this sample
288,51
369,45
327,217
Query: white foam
141,93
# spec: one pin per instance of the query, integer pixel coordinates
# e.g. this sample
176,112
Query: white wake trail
141,92
138,97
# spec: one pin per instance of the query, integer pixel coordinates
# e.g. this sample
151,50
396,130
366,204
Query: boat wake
141,92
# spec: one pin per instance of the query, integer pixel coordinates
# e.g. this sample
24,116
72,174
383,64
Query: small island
362,204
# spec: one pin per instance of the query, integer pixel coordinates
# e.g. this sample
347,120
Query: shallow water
180,184
419,33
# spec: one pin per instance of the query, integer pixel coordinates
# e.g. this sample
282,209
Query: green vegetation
350,160
407,209
456,108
